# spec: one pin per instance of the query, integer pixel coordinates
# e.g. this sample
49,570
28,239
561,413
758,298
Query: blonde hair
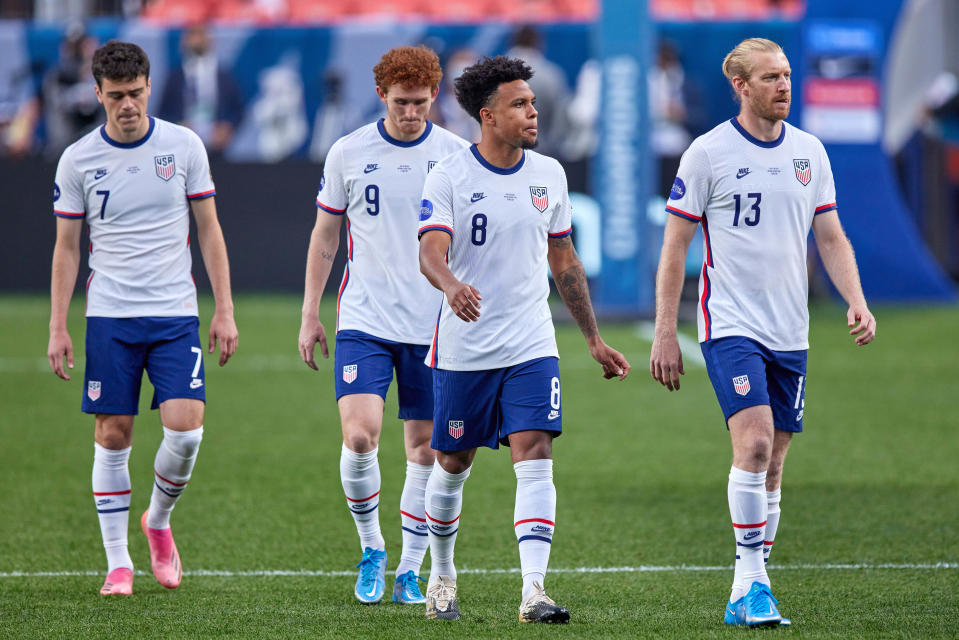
738,62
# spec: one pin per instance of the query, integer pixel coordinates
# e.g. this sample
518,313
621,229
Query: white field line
308,573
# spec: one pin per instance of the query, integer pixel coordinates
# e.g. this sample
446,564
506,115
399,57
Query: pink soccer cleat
163,554
119,582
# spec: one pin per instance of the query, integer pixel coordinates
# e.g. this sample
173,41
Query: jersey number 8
478,235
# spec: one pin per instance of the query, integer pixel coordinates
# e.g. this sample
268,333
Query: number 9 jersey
756,201
376,181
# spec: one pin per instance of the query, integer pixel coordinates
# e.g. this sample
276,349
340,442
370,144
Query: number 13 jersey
756,201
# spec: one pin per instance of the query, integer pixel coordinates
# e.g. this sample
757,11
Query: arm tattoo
327,255
574,290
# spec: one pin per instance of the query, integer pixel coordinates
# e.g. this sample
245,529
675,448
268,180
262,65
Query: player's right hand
311,332
464,300
60,347
666,361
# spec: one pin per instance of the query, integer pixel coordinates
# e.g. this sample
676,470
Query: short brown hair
409,67
119,62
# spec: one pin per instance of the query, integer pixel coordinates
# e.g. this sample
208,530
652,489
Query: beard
771,112
528,144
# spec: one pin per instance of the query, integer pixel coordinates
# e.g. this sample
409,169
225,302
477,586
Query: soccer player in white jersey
134,181
501,214
373,178
756,185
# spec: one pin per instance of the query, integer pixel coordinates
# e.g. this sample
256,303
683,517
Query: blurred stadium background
868,548
622,88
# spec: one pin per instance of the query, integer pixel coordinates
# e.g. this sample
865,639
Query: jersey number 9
373,199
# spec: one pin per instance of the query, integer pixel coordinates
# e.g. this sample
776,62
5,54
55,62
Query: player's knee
360,440
114,431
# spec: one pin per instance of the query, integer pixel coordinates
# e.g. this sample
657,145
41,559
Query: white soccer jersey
135,198
756,201
499,220
377,180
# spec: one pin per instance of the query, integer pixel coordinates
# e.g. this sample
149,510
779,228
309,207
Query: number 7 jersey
756,201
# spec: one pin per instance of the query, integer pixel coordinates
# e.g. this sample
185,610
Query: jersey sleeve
436,208
332,196
562,223
68,190
199,178
690,192
826,198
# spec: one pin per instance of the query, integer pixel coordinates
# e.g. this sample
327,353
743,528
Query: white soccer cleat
539,607
441,601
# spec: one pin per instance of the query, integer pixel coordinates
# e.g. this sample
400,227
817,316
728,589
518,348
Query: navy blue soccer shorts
120,349
746,374
364,364
481,408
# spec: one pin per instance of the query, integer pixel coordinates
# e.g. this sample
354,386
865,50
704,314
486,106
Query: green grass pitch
640,475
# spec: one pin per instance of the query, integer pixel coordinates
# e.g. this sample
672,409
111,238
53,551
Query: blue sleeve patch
322,181
426,210
56,192
678,190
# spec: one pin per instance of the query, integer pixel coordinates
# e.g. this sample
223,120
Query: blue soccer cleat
760,605
406,589
371,581
736,612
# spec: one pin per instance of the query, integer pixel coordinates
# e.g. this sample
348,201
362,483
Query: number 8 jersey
756,201
499,221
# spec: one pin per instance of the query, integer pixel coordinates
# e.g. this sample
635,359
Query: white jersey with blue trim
135,199
499,221
756,201
376,181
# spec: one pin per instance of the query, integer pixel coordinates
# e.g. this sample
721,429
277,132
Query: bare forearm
433,266
574,290
213,250
669,288
319,263
63,278
840,262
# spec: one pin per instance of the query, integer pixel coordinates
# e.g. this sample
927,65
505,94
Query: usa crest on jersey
741,384
456,428
349,373
540,199
803,171
93,390
165,166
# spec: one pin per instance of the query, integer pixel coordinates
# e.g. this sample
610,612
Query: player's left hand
614,363
223,331
863,324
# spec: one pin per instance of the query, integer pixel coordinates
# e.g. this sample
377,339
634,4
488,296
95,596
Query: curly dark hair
119,61
479,82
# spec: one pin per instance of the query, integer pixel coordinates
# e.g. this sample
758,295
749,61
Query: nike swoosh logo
369,170
372,591
730,611
475,199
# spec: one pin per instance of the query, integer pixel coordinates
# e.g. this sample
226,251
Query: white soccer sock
172,468
772,521
111,494
413,518
360,475
535,519
747,507
444,501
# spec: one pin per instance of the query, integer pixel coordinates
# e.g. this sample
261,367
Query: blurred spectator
549,85
70,106
332,119
201,94
446,111
676,113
